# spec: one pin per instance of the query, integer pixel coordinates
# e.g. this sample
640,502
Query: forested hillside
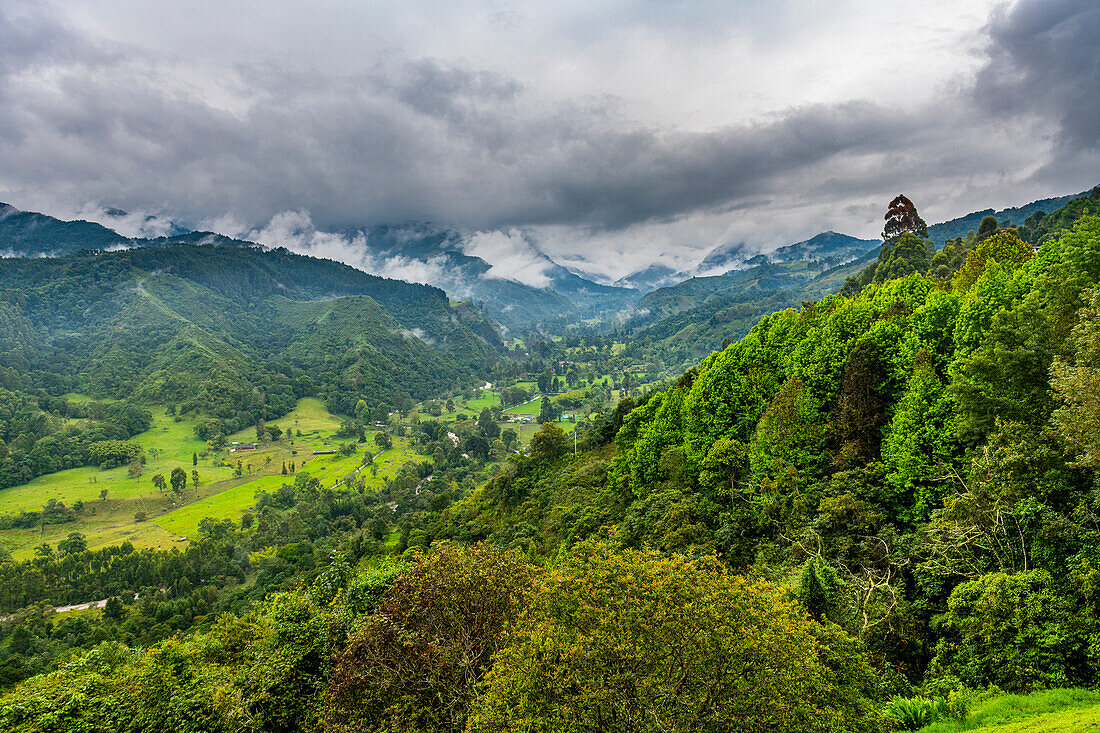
233,333
871,511
917,460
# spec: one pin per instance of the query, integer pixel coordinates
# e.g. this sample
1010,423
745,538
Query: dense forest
883,499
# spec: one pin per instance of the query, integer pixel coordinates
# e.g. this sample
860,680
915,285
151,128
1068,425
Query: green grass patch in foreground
1049,711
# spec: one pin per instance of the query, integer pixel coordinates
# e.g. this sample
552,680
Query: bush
913,713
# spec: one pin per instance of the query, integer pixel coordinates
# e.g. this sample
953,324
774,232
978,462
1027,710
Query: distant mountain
826,246
512,303
142,226
687,321
225,329
36,235
651,278
943,231
726,257
839,248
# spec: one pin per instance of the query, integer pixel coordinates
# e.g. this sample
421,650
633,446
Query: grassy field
169,444
526,432
530,408
485,398
1049,711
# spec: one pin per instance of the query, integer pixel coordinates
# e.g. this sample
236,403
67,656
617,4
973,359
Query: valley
206,432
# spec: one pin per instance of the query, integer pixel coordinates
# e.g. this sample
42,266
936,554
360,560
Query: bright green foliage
1018,632
913,713
1003,247
638,641
1049,711
917,450
789,433
732,389
723,469
113,689
1077,383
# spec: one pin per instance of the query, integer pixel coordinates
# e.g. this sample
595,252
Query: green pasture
170,443
330,470
531,408
485,398
526,432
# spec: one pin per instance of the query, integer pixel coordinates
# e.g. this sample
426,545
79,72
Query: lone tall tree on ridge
902,217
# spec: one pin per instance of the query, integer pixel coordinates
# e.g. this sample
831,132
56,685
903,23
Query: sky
609,134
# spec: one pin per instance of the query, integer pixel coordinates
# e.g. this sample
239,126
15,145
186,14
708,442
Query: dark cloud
1045,60
89,121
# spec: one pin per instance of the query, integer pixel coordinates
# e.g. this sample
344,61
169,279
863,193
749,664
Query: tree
861,409
790,432
988,227
1018,632
103,492
1076,381
158,482
114,609
1004,247
902,256
548,411
544,381
509,437
195,478
487,425
73,544
178,479
901,217
548,444
383,440
194,459
635,641
416,663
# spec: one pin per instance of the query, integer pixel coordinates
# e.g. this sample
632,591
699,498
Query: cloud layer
615,134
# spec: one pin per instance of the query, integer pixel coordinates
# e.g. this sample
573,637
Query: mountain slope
25,232
513,303
206,326
943,231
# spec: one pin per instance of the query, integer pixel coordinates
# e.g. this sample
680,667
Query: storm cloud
613,135
1044,59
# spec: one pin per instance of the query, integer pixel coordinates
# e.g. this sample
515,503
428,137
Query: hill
236,334
939,233
687,321
32,234
830,247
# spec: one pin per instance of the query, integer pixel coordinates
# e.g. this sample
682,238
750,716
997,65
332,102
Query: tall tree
178,479
902,217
